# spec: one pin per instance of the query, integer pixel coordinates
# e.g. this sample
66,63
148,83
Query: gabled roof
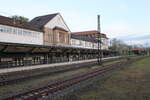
15,23
42,20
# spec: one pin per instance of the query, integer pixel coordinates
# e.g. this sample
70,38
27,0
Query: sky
128,20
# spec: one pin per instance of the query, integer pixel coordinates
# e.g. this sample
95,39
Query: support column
46,58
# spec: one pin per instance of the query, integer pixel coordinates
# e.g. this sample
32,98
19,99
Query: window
86,43
1,29
61,37
73,42
15,31
8,29
19,31
79,42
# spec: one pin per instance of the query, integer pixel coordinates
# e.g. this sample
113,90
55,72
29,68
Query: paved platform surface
15,69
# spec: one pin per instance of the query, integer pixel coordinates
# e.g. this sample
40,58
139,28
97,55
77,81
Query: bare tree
119,46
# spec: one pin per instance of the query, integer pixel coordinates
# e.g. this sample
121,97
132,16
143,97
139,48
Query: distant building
141,51
89,39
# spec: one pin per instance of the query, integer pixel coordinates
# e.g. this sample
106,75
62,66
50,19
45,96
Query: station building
45,39
89,39
13,31
55,30
82,41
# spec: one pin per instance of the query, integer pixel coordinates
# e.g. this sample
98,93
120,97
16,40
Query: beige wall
62,38
48,36
52,37
20,35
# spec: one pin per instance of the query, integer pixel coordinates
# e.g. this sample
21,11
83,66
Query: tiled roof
93,33
42,20
140,49
15,23
83,37
86,32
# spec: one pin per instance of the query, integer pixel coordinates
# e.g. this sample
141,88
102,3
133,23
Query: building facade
16,32
56,32
89,39
82,41
48,30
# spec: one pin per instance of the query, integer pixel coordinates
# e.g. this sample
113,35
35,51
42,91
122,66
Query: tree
119,46
21,19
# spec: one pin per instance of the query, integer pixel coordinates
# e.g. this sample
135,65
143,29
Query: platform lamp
99,58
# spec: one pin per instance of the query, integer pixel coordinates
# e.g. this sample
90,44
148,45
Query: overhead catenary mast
99,58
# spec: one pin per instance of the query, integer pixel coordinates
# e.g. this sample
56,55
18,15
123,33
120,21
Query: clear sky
119,18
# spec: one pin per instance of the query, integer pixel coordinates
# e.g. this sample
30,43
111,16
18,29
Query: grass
132,83
113,62
108,63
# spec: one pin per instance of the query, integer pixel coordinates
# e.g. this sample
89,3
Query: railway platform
23,68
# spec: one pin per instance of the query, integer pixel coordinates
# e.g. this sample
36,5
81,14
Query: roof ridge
5,16
46,15
10,22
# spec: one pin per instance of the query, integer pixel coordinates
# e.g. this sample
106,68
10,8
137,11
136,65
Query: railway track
50,89
20,79
54,87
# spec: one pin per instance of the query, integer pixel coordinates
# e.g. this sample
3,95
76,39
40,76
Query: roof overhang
33,48
59,28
